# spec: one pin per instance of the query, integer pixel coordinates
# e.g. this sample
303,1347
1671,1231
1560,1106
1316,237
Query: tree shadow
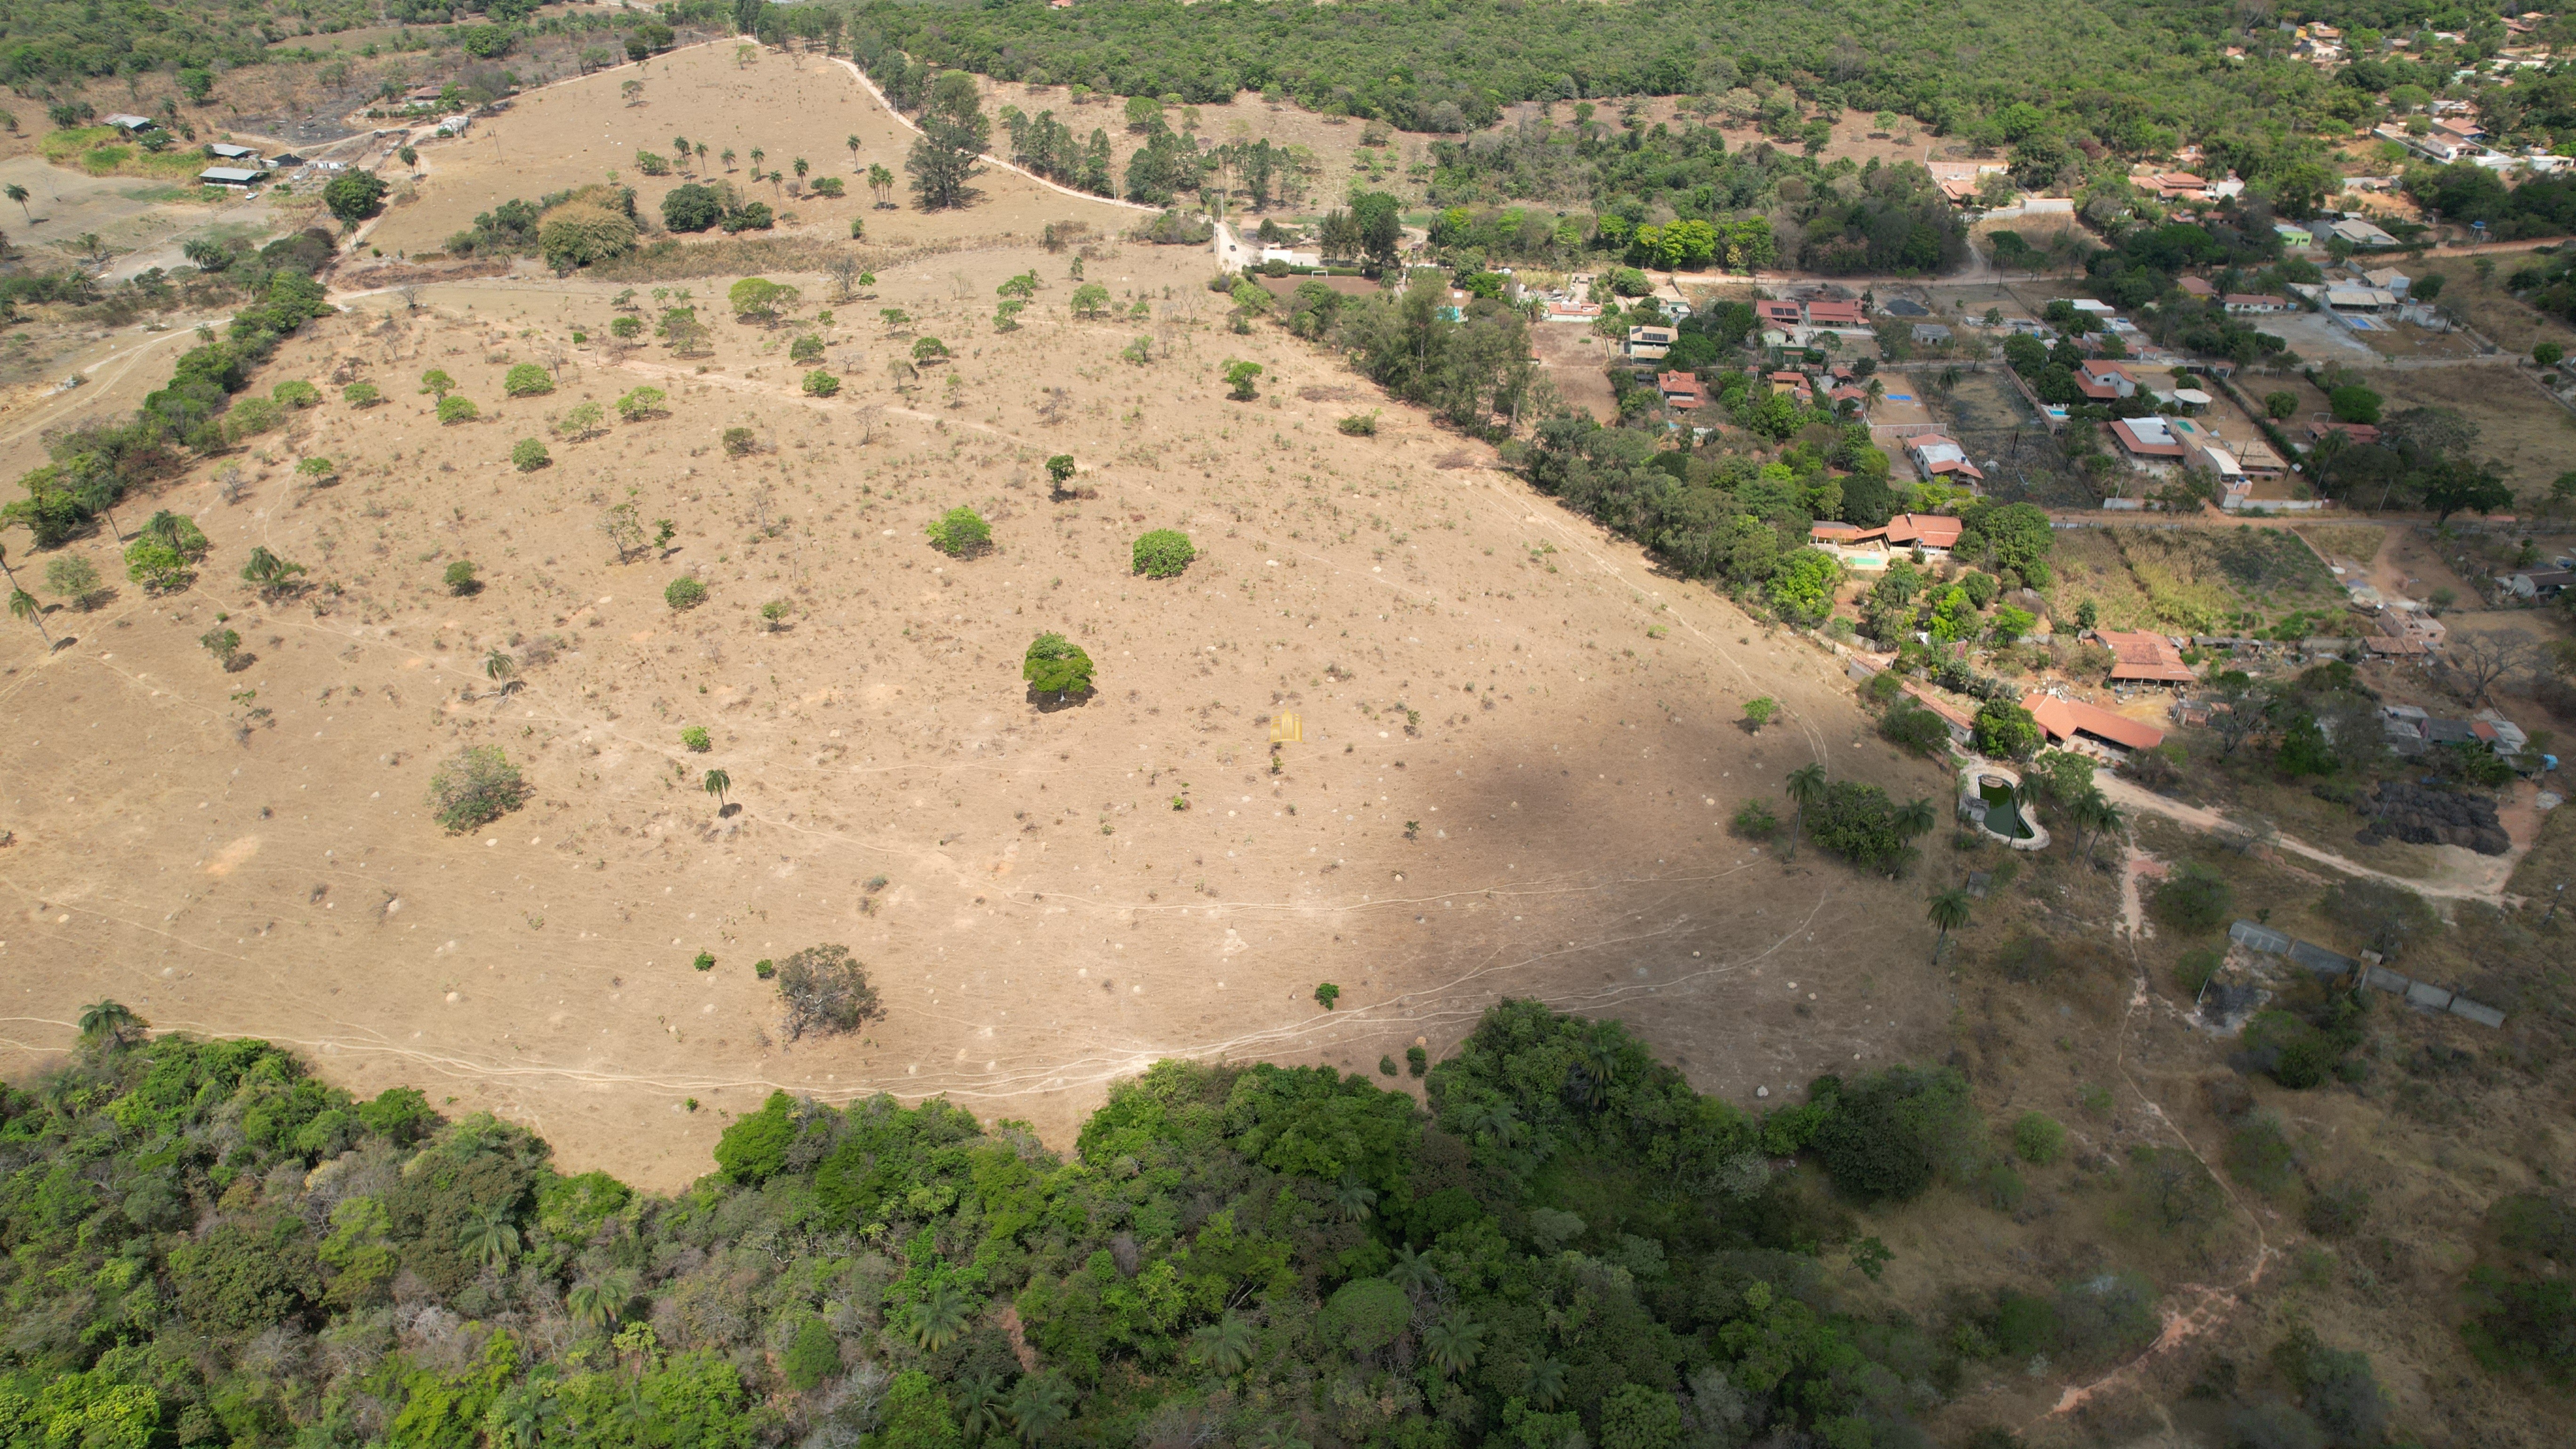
240,662
1047,701
728,811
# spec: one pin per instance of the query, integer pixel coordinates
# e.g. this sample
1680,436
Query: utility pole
2555,896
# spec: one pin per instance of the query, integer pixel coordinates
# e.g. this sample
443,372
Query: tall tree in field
953,134
1949,912
1806,787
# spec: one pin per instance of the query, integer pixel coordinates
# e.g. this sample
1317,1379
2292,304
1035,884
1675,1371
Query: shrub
528,455
819,383
253,416
460,578
527,380
1416,1061
815,1355
825,990
222,643
642,403
457,408
296,393
1856,822
362,394
73,577
1056,665
2260,1156
740,442
959,532
2194,898
805,349
477,785
1163,553
626,329
2038,1139
582,231
684,594
1755,820
1359,425
1889,1136
1913,727
705,961
693,206
695,737
2195,968
1759,711
2385,915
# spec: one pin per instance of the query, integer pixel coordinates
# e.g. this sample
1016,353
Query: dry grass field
1520,740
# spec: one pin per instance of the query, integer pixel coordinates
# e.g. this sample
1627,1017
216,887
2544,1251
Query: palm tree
110,1020
1949,911
2106,820
702,155
853,144
939,1317
18,194
800,167
1915,818
1453,1344
978,1401
23,605
498,666
1806,787
1226,1345
1413,1272
717,783
1600,1069
1355,1198
1037,1406
880,181
757,157
726,156
1546,1383
600,1301
1495,1118
489,1236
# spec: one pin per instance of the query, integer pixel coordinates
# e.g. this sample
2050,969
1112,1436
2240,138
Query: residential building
1835,314
234,176
2357,432
2197,287
1681,390
2360,299
1934,533
2413,623
1649,343
2105,381
2140,656
2359,233
2257,304
2538,583
132,125
1931,334
2389,280
2259,460
2148,438
1779,314
1938,457
2070,722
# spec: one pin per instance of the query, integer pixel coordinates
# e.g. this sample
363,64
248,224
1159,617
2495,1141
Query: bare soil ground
1050,921
2523,432
579,132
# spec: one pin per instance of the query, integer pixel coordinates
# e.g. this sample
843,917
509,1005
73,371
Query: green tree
1055,665
915,1416
354,197
2005,731
938,1317
1453,1343
460,579
1060,472
457,409
1239,378
110,1023
70,576
716,783
1163,553
437,383
23,606
1226,1345
1947,912
1758,711
528,380
490,1237
1806,787
760,299
473,787
954,133
528,455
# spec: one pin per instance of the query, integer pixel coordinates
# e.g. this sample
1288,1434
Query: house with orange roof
2143,657
2070,722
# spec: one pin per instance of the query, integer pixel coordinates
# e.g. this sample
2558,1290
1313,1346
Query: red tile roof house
1963,726
2105,381
2139,655
1936,532
2064,719
2358,432
1835,314
1779,314
1680,389
2197,287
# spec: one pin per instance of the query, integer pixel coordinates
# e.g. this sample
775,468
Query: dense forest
205,1245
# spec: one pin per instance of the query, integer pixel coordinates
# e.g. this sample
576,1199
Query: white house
132,124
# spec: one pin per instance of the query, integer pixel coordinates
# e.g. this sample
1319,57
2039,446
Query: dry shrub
589,228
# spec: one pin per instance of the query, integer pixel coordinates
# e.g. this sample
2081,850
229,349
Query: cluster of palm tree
2095,817
1031,1408
1806,787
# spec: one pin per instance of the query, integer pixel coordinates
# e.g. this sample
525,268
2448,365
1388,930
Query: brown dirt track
1571,807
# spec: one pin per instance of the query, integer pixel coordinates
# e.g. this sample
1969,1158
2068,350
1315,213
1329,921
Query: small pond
2003,816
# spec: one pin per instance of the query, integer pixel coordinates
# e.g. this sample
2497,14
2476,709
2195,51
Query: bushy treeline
96,465
1678,198
1470,365
204,1245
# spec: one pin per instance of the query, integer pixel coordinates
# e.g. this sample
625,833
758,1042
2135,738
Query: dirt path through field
2460,874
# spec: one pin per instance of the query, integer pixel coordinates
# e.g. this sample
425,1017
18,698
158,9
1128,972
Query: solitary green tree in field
23,605
18,194
1060,471
1806,787
1948,911
110,1022
717,782
1758,712
1058,666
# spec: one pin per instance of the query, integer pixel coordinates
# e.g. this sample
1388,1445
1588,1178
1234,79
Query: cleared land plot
2524,433
1992,421
2189,580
